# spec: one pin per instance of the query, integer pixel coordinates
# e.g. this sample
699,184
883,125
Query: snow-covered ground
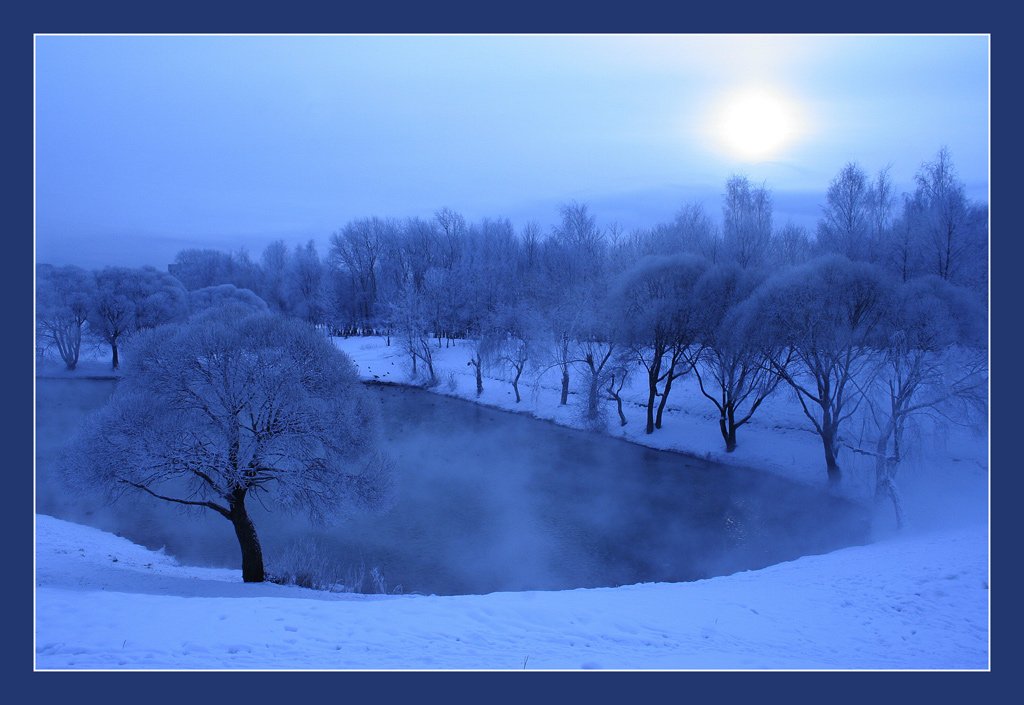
918,599
915,601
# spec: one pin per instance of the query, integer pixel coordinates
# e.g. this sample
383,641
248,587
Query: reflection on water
488,500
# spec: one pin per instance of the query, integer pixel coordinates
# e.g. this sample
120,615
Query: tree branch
209,505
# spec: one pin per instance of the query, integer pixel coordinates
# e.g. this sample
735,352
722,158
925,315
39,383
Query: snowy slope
917,601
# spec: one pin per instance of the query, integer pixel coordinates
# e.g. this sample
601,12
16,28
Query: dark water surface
487,500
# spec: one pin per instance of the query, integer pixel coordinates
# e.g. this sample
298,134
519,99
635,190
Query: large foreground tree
233,405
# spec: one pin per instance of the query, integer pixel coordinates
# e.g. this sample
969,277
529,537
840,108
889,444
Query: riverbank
943,478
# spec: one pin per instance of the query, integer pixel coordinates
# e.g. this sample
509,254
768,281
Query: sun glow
756,123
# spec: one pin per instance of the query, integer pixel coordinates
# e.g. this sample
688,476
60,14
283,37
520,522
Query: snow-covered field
917,600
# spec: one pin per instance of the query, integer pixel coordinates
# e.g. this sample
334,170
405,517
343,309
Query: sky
146,145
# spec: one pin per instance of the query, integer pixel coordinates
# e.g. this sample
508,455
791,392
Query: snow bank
918,601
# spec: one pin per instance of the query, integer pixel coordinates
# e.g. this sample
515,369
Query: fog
487,501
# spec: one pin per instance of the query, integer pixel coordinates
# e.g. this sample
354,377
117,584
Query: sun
756,123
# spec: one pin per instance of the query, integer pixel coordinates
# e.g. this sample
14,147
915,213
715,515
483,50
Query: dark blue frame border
300,17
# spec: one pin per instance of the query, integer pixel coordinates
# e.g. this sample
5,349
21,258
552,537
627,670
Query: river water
486,500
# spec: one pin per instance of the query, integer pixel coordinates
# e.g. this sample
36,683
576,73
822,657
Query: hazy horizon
149,145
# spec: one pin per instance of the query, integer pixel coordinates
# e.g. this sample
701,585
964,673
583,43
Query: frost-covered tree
127,300
658,319
932,361
511,343
595,352
412,324
273,283
164,299
746,222
225,295
846,220
618,372
356,251
200,268
64,297
826,318
944,215
113,308
789,246
452,235
881,204
306,283
734,368
231,407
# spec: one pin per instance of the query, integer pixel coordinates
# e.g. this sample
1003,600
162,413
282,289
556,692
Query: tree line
879,313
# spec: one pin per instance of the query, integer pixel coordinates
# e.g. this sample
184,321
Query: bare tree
231,406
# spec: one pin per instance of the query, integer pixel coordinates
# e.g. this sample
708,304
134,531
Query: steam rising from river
486,501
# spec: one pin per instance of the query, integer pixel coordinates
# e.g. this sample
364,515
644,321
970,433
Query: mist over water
487,500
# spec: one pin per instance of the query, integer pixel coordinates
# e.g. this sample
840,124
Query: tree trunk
652,394
882,470
114,360
618,406
593,398
515,383
664,399
730,437
252,554
835,474
897,504
727,425
479,378
565,386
